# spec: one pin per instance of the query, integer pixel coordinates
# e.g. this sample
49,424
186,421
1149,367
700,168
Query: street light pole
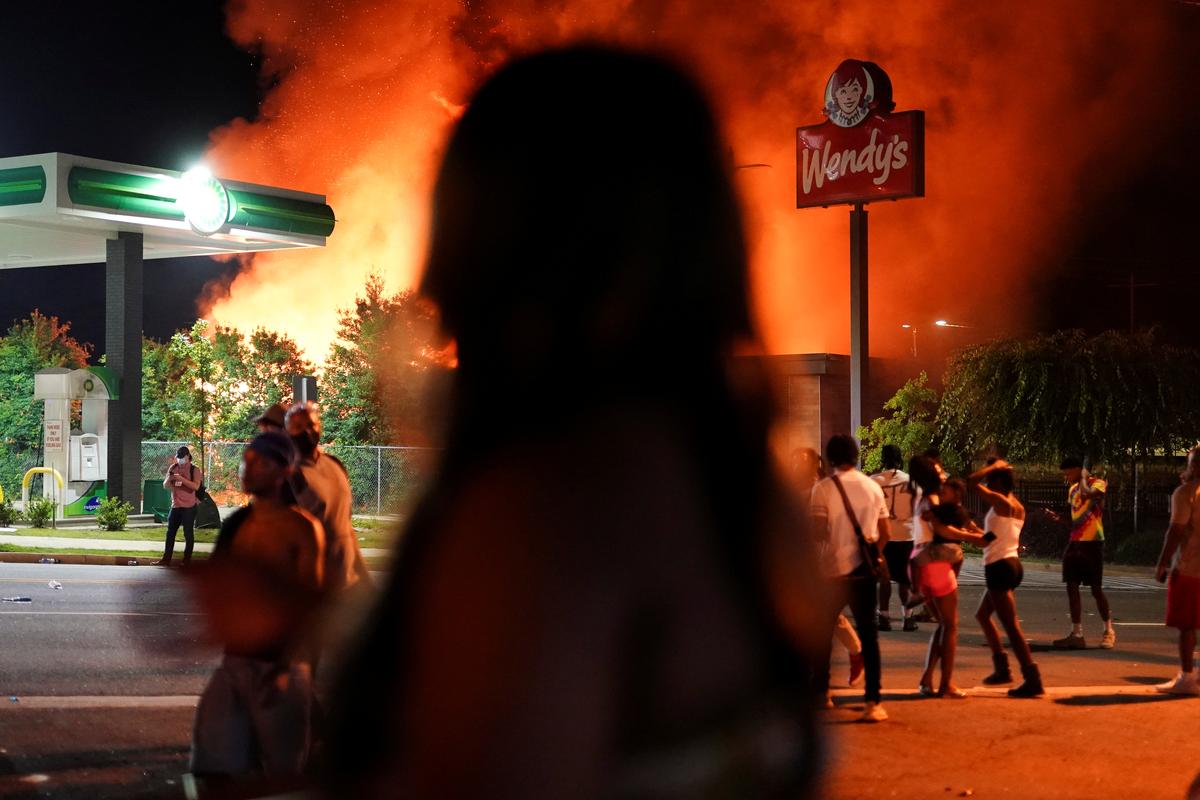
913,329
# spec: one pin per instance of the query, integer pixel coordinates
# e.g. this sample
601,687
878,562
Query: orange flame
1024,104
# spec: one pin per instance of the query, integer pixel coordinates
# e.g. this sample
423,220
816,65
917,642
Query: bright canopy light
205,202
941,323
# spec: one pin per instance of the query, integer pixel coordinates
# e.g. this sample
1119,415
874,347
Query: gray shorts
254,718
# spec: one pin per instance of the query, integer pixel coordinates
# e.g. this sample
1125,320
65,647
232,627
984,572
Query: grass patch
158,534
371,533
142,555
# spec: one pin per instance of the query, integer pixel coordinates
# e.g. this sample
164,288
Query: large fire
1025,104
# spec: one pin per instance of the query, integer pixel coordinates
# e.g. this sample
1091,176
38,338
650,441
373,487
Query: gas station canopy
62,209
57,208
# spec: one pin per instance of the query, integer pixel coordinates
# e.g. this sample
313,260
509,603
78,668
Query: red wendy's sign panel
863,152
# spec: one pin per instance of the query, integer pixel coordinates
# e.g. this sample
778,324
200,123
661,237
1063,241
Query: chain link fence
383,480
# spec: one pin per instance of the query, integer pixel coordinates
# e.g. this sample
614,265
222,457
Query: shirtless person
1181,559
254,720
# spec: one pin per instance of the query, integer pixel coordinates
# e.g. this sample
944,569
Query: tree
910,425
1117,397
205,385
378,371
166,398
197,355
251,375
30,345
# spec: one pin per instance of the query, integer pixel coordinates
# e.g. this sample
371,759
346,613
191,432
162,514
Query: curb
78,558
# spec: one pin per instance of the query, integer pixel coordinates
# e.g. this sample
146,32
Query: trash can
156,500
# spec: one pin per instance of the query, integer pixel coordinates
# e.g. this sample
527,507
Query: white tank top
1007,543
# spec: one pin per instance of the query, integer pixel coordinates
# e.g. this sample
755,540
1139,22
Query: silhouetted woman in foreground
582,604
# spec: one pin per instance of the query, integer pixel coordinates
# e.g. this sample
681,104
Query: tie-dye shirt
1087,523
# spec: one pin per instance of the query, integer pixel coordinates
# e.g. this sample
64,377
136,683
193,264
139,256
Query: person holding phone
183,478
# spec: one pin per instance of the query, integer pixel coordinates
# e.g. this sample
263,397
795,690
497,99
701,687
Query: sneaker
910,624
873,713
1184,683
1072,641
884,623
856,668
1109,640
923,616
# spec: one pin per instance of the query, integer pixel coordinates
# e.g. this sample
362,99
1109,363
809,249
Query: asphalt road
105,672
1101,731
98,681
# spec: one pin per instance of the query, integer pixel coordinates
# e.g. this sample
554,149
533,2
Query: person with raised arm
1002,573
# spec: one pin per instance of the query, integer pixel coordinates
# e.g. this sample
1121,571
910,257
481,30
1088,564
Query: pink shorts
1183,602
938,579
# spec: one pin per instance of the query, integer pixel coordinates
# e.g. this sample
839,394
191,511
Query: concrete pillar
123,346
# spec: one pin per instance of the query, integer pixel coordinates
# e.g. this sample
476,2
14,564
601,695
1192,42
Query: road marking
1051,691
101,701
107,613
72,582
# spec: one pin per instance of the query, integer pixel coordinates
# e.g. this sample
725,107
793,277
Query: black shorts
1083,562
896,554
1004,574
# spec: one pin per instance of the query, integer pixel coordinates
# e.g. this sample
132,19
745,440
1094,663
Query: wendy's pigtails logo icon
849,94
854,90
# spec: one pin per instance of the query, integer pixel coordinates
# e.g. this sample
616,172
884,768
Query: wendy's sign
863,151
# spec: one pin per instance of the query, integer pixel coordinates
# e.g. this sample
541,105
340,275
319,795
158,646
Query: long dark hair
587,254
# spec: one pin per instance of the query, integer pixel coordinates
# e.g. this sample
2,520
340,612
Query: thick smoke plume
1033,111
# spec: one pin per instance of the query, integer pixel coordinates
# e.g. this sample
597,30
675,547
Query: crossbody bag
871,559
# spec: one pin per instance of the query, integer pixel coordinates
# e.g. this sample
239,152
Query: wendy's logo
854,90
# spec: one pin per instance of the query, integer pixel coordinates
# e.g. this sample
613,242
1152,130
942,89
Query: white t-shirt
1185,512
899,498
828,511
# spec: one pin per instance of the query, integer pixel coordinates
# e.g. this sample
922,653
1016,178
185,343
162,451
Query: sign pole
859,325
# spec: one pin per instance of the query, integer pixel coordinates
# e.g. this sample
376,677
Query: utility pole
1132,286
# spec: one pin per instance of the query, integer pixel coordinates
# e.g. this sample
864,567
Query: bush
1141,549
39,511
8,514
113,514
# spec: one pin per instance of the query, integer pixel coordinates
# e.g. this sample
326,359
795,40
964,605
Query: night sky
145,83
141,83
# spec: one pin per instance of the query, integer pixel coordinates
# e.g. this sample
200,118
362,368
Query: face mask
181,461
306,442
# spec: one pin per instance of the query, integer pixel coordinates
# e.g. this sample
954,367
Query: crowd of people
606,589
908,528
